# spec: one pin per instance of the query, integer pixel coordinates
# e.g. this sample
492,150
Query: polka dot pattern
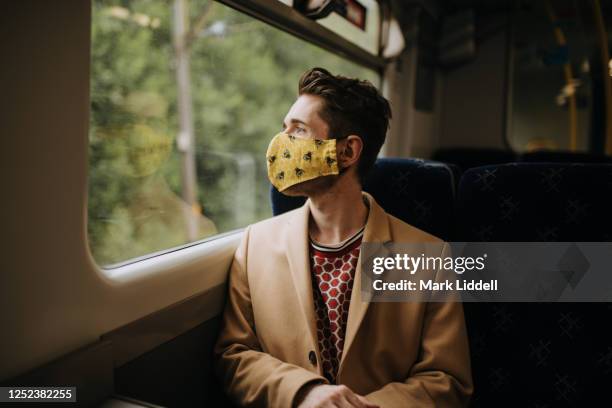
332,281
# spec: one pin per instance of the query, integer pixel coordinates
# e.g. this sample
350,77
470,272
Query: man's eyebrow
294,121
298,121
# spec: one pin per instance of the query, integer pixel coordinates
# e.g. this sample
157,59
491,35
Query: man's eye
299,130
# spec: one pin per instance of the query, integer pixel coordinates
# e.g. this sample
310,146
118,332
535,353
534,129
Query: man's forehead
305,109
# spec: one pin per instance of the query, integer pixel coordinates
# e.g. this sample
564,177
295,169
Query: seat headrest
419,192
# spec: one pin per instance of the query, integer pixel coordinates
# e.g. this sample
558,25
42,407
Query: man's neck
337,214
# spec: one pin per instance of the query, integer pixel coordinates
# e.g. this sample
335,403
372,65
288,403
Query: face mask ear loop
344,169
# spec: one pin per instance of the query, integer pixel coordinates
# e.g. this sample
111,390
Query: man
296,331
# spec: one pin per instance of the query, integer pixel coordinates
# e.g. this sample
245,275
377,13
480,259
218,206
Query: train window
551,77
185,97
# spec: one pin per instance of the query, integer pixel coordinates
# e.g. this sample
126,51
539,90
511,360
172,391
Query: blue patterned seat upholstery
419,192
536,202
538,354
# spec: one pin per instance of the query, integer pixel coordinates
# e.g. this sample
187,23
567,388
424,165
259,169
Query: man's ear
349,150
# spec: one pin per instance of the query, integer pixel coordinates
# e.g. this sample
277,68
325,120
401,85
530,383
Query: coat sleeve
442,376
250,376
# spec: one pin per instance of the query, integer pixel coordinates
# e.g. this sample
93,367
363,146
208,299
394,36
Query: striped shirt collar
337,247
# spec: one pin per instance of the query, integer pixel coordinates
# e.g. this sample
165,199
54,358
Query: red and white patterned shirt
333,270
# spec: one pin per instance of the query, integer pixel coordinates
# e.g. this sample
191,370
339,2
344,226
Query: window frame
285,18
130,261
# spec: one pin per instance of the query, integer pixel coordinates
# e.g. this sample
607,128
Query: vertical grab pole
569,80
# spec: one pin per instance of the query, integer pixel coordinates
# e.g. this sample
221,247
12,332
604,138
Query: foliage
243,80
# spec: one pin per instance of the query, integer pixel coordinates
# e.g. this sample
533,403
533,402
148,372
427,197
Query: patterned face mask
292,160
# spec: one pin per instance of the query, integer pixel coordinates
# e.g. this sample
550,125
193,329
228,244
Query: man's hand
328,396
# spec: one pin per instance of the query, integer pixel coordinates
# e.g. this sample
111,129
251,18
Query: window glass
552,85
216,77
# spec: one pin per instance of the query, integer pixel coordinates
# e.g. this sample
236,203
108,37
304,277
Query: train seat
536,202
468,157
556,156
525,352
420,192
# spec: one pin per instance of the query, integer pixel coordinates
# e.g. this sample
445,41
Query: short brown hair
352,107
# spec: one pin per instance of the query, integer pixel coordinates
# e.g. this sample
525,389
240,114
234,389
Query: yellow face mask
292,160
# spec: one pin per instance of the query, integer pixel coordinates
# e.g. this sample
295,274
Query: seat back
419,192
538,354
536,202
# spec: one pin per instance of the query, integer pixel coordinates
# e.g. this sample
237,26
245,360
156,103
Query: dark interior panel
176,374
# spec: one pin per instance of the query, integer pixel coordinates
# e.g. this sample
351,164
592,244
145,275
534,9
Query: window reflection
185,96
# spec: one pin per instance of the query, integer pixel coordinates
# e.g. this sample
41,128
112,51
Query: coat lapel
376,231
296,238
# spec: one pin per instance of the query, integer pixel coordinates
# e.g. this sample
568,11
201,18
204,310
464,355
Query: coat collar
376,231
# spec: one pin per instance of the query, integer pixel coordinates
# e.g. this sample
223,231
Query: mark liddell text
431,285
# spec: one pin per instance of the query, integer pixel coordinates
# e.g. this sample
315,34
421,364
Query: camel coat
396,354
